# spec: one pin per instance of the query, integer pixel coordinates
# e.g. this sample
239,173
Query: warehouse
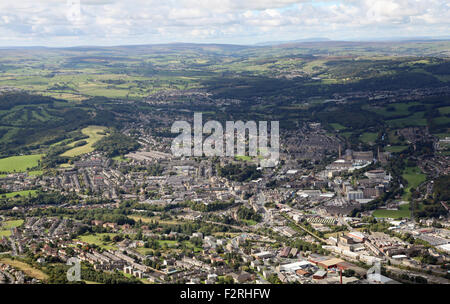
330,263
319,275
292,267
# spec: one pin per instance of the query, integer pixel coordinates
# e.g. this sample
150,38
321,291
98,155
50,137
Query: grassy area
120,158
250,222
444,110
5,233
368,137
347,134
393,110
337,126
414,120
394,149
414,177
24,193
243,158
11,224
5,227
35,173
19,163
27,269
443,120
66,165
94,135
97,239
169,243
403,211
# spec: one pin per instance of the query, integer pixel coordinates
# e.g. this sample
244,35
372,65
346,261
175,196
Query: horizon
257,44
53,23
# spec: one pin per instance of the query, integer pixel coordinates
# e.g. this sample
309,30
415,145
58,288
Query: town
156,218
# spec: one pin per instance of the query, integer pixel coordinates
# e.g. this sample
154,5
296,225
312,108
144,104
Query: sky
120,22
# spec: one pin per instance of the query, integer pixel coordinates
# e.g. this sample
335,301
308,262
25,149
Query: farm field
94,136
396,109
414,120
19,163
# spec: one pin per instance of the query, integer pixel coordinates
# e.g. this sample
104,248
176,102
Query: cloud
56,22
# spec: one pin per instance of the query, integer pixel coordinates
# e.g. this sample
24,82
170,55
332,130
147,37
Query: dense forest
116,144
239,173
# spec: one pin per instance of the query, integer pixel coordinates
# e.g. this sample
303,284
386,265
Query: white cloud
57,22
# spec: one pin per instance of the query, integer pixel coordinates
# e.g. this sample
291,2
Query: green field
337,126
394,149
19,163
120,158
444,110
96,239
403,211
414,120
94,136
5,233
443,120
414,177
368,137
5,227
24,193
250,222
395,109
35,173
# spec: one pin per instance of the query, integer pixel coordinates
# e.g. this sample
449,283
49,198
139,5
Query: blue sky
119,22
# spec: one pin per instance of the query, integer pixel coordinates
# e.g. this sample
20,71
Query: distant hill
268,43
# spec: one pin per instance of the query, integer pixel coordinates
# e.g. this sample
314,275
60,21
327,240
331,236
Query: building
330,263
355,195
357,235
302,272
375,174
264,255
293,267
319,275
